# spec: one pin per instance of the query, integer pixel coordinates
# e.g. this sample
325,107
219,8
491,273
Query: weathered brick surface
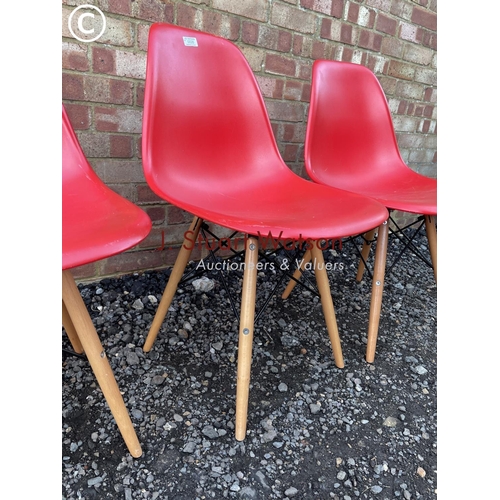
103,84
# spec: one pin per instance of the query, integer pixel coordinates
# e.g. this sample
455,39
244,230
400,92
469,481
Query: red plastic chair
351,144
96,223
208,148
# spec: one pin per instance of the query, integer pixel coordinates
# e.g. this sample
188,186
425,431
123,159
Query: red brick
231,27
305,71
298,43
306,92
371,19
429,39
280,65
270,87
387,24
103,60
74,57
211,22
286,111
176,215
290,152
346,34
337,8
294,132
186,16
347,54
145,195
138,143
424,18
319,50
121,92
392,47
143,36
430,95
120,7
401,70
293,90
352,13
139,95
120,146
82,273
79,116
428,110
388,85
284,41
156,214
156,11
370,40
249,32
72,87
326,28
125,190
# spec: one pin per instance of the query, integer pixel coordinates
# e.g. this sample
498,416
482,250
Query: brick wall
103,84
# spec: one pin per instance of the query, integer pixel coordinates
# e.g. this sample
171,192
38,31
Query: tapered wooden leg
246,337
297,274
377,290
430,228
327,302
173,282
70,331
367,245
98,361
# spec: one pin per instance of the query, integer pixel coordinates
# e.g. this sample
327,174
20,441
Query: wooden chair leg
365,252
327,302
173,282
297,274
430,228
377,290
70,330
246,337
98,361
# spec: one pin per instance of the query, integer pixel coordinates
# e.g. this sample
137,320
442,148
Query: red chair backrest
350,137
205,124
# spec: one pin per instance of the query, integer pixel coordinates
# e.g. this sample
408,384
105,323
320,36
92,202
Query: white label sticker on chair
190,41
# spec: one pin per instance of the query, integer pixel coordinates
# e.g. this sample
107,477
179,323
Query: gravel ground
366,431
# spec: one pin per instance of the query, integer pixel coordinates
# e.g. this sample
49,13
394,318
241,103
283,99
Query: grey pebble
291,492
